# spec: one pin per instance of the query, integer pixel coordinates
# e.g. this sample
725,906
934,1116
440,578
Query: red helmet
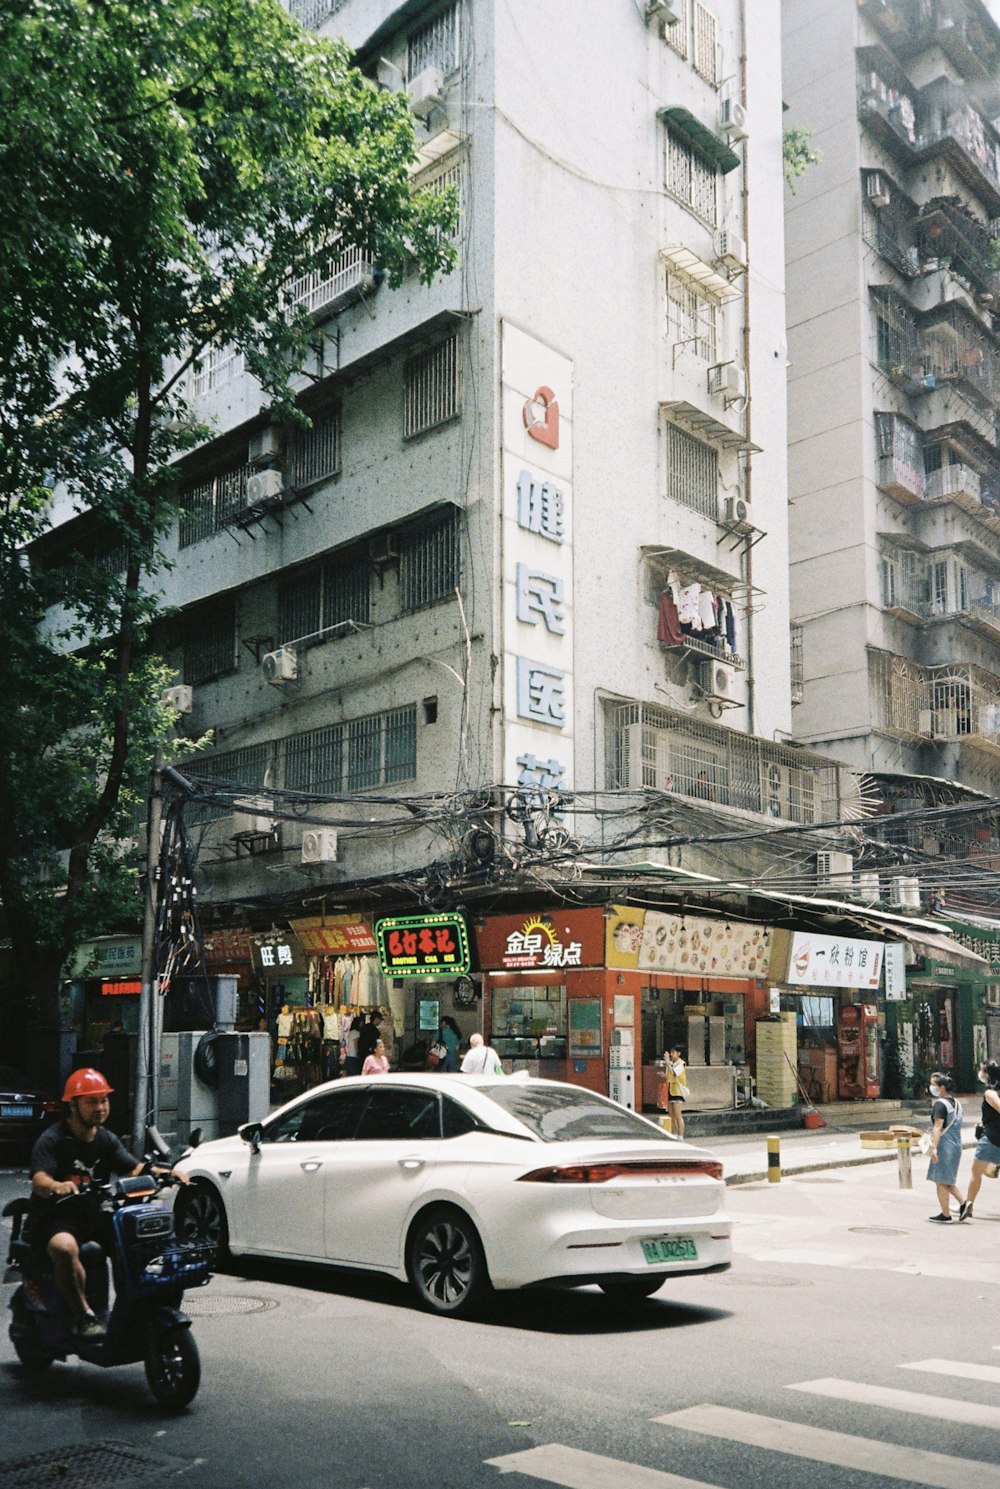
86,1083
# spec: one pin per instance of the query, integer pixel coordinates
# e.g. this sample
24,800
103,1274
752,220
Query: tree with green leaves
169,168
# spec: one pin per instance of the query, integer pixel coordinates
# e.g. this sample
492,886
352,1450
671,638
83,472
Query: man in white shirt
481,1059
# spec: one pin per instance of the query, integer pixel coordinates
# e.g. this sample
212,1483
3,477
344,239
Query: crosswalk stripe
915,1466
575,1469
960,1369
915,1402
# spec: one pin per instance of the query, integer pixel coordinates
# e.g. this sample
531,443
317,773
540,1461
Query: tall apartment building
894,388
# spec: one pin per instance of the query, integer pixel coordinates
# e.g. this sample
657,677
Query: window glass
570,1112
394,1115
455,1119
330,1118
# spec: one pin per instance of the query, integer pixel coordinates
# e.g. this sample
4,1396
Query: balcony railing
966,140
344,276
954,482
901,478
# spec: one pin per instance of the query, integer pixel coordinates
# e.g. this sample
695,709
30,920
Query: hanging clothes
688,612
668,626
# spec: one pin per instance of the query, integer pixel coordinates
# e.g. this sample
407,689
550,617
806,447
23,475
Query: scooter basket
188,1264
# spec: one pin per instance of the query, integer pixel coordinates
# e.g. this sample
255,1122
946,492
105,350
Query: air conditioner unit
867,888
835,870
264,485
735,510
426,92
383,548
717,680
663,12
904,893
730,249
180,698
733,119
252,824
281,665
878,190
264,445
319,845
727,381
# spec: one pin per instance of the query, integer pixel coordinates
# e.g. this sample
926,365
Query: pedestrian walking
945,1146
450,1035
377,1063
482,1059
987,1152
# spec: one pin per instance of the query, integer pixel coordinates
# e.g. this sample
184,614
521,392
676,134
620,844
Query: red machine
858,1074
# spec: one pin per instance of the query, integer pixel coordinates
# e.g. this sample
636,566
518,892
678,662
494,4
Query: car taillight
50,1106
602,1173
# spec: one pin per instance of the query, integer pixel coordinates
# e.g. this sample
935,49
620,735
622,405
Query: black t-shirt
62,1156
991,1122
370,1036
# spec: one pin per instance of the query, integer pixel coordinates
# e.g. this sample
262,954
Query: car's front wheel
447,1265
200,1215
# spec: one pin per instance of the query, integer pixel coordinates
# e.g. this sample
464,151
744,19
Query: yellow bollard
774,1159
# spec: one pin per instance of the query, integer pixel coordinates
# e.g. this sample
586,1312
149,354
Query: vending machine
858,1072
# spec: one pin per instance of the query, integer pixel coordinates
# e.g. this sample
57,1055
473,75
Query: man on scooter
68,1158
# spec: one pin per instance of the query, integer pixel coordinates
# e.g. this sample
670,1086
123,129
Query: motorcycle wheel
199,1215
173,1368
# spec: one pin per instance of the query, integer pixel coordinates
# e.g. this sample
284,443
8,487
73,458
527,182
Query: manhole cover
92,1465
751,1281
214,1305
876,1230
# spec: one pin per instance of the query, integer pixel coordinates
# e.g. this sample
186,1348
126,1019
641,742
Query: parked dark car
25,1110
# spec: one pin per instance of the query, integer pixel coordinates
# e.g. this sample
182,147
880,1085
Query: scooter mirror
157,1143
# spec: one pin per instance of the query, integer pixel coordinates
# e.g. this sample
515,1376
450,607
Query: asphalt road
852,1344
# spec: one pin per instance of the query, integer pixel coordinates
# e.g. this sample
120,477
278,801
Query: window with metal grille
243,769
210,641
692,179
430,565
693,318
798,669
210,505
692,472
377,750
431,388
676,36
434,44
312,13
217,365
706,48
315,761
346,590
324,595
316,452
300,601
440,176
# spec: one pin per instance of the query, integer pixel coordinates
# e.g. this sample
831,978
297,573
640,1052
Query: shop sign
695,945
984,940
834,961
422,945
895,971
334,935
279,954
226,947
543,942
120,987
108,956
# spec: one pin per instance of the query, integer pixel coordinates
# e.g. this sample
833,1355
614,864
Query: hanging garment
668,628
687,606
707,611
331,1024
346,980
363,985
733,630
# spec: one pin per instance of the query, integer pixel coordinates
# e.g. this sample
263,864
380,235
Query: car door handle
412,1165
310,1165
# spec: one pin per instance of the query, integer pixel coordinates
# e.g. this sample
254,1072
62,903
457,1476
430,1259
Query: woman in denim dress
946,1146
987,1154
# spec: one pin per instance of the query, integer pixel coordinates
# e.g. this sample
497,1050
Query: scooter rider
68,1157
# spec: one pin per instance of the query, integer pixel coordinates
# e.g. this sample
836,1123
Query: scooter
151,1269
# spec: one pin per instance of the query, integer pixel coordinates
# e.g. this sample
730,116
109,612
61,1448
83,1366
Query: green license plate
674,1249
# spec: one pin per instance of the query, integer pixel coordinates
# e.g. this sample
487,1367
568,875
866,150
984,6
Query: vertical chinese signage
538,562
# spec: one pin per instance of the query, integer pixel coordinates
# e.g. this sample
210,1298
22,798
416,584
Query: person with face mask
946,1147
987,1152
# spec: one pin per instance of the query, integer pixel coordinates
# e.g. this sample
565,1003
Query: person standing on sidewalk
987,1152
946,1147
676,1090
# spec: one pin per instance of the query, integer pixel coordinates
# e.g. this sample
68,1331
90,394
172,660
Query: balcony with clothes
887,102
951,128
700,610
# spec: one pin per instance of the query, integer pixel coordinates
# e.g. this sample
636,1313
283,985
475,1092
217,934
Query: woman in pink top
377,1063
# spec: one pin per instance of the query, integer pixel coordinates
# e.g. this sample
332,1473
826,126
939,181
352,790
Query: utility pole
147,1049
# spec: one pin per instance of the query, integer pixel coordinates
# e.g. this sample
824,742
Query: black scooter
151,1270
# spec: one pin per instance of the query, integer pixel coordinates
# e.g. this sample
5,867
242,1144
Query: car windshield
560,1114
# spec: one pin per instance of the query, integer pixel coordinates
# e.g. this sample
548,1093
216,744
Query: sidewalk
744,1159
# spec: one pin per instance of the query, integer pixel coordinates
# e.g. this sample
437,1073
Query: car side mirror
194,1138
251,1132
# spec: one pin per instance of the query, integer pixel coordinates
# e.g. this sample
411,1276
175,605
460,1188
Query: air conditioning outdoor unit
727,381
904,893
663,12
383,548
735,510
264,485
319,845
717,680
180,698
733,119
281,665
730,249
252,824
835,870
879,193
264,445
426,92
867,888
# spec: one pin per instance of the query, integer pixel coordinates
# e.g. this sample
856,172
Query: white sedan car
461,1184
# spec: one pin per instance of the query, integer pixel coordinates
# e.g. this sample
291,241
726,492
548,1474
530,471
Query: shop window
400,1116
529,1022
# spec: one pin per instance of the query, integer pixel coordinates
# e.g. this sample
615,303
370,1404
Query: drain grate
213,1305
92,1465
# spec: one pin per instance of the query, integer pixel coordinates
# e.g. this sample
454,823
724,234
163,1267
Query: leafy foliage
797,155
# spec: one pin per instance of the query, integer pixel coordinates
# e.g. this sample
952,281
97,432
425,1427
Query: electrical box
243,1062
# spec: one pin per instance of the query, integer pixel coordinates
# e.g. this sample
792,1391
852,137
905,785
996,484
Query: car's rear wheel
200,1215
632,1289
447,1265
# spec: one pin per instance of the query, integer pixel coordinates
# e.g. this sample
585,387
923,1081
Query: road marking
915,1402
913,1465
960,1369
574,1469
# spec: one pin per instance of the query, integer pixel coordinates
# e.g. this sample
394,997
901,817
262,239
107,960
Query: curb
735,1180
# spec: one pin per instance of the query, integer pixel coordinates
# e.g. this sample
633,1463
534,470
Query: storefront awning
941,948
691,130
